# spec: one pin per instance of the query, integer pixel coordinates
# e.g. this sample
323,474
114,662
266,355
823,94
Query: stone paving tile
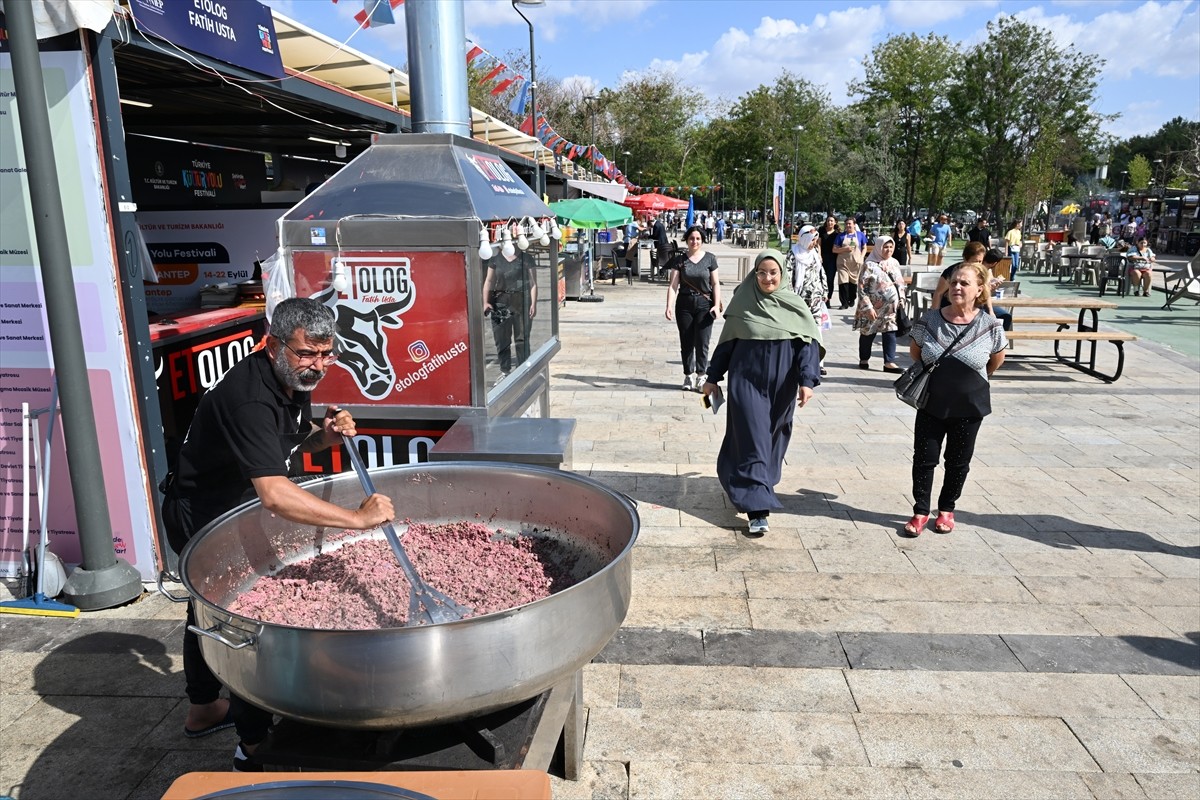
960,541
745,560
688,612
906,651
1165,786
598,780
874,561
601,685
1183,620
985,589
945,741
631,645
674,780
692,583
735,689
1103,591
1081,564
683,558
773,649
1026,540
844,534
1114,785
959,563
1140,745
660,536
1170,696
1006,694
82,721
1120,620
1140,655
60,770
994,784
173,764
12,705
1173,565
751,737
916,617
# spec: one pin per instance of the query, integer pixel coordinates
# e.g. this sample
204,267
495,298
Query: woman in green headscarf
771,348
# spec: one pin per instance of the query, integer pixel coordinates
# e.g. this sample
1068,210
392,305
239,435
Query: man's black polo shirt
245,427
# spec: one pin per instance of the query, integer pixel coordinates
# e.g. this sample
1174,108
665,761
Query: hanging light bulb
485,247
535,230
555,233
340,280
507,249
545,240
522,239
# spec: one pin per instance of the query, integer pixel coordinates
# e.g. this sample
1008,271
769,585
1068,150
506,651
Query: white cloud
1153,38
828,52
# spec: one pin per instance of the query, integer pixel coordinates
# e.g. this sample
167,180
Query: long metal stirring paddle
425,603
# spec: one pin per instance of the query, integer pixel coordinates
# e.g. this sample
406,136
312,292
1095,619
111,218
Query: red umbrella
654,202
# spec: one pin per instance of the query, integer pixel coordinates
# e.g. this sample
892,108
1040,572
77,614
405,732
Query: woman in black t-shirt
694,302
829,234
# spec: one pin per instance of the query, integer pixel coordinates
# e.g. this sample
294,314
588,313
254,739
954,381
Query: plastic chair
1114,269
923,286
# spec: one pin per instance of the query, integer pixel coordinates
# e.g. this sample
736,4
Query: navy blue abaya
764,380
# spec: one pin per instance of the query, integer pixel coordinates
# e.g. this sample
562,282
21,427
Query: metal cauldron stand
525,736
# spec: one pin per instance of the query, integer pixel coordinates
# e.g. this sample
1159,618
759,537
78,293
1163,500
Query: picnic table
1081,329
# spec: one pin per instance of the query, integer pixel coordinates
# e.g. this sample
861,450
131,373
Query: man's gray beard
298,379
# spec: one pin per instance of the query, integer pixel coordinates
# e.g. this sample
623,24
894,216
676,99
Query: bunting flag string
380,12
377,12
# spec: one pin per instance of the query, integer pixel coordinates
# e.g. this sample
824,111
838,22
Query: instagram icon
418,351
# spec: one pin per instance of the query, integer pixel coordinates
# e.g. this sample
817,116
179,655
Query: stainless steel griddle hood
426,176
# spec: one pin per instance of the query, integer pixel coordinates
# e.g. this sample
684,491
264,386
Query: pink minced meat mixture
360,586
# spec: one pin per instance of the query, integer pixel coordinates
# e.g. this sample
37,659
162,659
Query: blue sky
727,47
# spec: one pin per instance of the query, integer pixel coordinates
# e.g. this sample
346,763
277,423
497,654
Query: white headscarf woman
805,258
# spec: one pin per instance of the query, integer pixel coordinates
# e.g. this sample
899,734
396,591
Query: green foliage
1139,172
1009,95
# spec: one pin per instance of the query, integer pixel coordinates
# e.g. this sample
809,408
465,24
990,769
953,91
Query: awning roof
313,53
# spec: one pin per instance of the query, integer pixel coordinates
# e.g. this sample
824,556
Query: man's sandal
915,525
944,522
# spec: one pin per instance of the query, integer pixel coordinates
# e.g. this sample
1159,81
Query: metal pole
796,172
770,150
539,184
102,580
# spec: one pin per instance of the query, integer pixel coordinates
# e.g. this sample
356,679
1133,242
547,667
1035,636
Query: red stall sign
401,321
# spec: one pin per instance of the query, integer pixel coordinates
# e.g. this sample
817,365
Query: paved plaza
1048,648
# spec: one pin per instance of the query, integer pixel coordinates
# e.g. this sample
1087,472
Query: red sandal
944,522
915,525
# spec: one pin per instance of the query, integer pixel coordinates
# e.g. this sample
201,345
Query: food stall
440,264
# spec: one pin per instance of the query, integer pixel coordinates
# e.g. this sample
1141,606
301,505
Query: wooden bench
1067,321
1118,339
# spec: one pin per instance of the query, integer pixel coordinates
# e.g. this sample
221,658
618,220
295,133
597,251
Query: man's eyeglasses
311,357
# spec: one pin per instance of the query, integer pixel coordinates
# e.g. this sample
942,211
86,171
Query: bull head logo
362,339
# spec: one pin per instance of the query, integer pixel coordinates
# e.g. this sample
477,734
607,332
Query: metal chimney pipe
437,66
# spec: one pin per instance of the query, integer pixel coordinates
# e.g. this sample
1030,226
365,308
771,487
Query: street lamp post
770,151
538,179
796,170
746,193
625,171
591,101
1124,175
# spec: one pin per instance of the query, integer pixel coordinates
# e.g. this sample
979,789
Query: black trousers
928,433
693,315
252,722
830,278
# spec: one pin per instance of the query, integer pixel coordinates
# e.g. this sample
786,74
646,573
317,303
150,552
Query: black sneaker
245,762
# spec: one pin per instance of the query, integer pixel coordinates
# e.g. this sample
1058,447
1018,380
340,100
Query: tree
1009,94
654,116
1139,172
912,75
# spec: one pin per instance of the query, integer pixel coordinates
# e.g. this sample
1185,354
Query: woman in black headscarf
771,348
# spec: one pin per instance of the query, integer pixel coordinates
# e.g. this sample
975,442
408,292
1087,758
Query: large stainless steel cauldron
398,677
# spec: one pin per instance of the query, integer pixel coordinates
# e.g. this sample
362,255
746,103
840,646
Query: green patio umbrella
590,212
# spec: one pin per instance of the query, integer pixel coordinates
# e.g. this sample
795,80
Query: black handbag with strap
912,387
